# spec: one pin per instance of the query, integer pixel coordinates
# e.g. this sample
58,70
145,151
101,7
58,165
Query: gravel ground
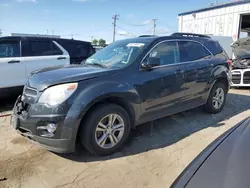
149,159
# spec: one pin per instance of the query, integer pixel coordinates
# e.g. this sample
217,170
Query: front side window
9,49
167,52
192,51
40,48
118,54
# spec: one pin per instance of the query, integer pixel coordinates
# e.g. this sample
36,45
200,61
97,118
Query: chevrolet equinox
127,83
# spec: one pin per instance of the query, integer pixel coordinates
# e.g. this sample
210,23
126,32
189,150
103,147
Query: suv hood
241,48
41,79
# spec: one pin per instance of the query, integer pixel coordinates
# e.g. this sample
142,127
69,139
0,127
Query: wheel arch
222,79
118,100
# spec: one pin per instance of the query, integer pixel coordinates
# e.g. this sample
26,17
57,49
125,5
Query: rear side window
40,48
9,49
214,47
77,49
192,51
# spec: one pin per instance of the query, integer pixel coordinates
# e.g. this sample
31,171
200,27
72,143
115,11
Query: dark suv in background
128,83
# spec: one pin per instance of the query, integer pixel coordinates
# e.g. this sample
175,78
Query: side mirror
150,63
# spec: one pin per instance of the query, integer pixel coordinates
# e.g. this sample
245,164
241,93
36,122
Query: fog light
51,128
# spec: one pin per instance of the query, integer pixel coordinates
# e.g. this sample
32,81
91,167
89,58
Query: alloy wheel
109,131
218,98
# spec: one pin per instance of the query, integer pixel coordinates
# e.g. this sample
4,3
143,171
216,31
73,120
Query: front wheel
105,130
216,99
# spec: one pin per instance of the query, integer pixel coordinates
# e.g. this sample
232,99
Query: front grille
29,96
30,91
246,77
236,77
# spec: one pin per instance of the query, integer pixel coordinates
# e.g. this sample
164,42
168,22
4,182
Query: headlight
56,95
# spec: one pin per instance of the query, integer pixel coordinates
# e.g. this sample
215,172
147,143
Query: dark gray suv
128,83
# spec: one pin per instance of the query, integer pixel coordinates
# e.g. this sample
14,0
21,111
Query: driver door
162,89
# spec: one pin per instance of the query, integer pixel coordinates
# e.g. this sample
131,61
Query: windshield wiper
97,64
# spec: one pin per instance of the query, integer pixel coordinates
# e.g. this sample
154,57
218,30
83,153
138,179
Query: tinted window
214,47
167,52
191,51
9,49
40,48
77,49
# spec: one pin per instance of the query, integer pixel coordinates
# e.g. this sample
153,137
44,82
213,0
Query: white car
241,63
19,56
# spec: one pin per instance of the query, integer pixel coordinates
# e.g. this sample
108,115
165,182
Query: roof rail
189,35
147,35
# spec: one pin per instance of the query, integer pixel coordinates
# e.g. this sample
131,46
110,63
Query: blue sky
93,18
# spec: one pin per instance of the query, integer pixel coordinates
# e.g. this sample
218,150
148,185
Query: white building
229,19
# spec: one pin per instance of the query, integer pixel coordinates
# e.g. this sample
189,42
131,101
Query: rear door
197,61
39,54
12,67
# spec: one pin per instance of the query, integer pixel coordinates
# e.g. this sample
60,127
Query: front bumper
241,78
62,141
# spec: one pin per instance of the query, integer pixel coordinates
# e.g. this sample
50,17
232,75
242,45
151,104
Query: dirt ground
147,160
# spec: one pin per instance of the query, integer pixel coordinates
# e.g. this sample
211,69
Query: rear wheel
216,99
105,130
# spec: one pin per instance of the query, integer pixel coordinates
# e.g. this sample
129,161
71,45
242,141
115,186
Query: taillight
230,63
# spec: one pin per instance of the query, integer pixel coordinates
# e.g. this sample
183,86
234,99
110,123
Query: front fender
91,92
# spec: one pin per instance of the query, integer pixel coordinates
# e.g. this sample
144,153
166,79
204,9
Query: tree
102,42
95,41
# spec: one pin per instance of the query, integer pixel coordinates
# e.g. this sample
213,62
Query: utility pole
1,32
154,22
115,17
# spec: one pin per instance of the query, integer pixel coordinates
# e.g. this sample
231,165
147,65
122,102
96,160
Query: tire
90,136
210,106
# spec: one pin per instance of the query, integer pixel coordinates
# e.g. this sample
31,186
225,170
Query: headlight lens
55,95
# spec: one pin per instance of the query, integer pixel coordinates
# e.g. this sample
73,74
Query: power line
115,18
149,30
133,34
136,25
127,33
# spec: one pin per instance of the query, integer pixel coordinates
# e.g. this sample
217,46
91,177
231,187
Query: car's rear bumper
61,141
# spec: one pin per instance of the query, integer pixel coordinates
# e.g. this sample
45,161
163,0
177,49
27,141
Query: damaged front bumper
33,127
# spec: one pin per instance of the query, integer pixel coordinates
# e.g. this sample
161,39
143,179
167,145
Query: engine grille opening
236,77
29,95
246,77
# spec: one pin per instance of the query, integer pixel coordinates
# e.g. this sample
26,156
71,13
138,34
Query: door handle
60,58
211,65
14,61
179,72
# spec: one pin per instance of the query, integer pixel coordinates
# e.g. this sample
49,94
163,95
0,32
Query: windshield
117,55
